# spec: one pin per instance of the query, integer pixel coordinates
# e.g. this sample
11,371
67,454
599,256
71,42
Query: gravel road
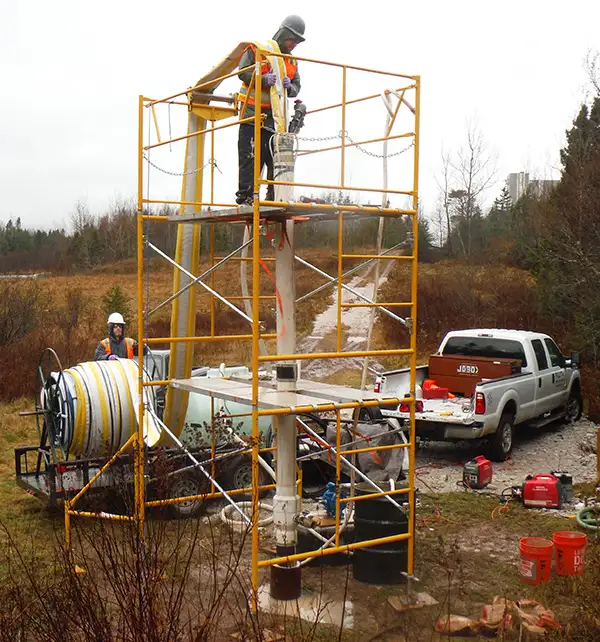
556,447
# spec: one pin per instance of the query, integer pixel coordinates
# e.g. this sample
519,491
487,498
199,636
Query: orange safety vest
265,95
128,344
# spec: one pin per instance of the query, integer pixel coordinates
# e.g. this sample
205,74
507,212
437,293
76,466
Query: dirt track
356,319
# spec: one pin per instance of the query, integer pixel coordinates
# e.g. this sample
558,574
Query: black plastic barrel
308,542
375,518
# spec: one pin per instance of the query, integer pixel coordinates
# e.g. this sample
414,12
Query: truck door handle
540,382
552,377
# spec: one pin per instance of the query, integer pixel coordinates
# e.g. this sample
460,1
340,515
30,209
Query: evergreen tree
567,259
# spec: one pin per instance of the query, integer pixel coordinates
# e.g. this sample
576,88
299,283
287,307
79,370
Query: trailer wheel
501,442
239,475
186,485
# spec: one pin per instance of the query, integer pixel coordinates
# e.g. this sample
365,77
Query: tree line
95,240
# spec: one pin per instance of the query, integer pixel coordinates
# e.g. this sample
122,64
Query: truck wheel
574,407
501,442
185,485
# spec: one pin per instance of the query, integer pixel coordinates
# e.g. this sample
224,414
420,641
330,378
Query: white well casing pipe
285,502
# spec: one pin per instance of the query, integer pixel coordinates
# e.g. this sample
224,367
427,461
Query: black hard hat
295,25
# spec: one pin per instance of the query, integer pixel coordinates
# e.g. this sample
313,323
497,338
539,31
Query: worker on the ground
290,33
116,345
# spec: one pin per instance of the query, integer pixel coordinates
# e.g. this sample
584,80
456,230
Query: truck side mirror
574,361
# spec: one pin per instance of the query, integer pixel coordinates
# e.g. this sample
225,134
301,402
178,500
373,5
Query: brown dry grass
19,512
76,339
453,296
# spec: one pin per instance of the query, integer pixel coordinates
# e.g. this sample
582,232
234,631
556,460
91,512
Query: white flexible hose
99,407
242,526
262,346
390,114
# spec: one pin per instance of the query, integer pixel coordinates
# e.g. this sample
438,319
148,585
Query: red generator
543,491
477,473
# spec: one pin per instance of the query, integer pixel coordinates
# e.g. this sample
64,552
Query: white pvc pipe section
286,500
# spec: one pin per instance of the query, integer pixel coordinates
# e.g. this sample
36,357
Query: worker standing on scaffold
289,34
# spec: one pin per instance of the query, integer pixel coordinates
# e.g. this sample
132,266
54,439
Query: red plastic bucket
536,559
570,548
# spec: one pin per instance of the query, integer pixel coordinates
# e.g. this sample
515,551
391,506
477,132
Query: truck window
556,358
540,354
486,347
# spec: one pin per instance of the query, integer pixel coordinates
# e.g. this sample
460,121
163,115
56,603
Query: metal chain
312,139
317,139
188,173
345,134
368,153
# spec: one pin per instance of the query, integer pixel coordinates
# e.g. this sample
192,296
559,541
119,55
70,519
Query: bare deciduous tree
592,68
465,176
444,204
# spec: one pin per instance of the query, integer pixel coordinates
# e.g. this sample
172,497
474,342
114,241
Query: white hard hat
116,317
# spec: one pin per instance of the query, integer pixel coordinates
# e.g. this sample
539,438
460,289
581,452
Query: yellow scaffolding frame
259,214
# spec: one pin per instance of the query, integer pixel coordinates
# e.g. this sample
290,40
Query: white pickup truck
482,383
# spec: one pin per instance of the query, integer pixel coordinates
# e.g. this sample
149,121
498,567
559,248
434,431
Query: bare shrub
185,581
458,296
22,305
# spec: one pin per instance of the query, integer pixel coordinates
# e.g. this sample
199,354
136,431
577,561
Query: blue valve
328,500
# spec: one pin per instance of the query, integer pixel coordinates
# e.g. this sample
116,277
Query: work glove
112,357
287,83
271,79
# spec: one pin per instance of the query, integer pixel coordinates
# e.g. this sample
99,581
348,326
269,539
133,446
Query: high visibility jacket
128,344
291,67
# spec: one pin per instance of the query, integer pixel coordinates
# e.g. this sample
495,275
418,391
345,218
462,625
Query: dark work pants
246,162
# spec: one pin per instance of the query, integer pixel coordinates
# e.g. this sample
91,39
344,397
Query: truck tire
574,407
187,484
501,442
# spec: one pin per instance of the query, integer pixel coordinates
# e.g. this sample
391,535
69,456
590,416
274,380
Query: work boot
270,193
244,199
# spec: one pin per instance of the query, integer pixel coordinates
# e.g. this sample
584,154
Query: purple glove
112,357
271,79
287,83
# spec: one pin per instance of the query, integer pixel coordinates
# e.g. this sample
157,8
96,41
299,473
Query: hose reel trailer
92,409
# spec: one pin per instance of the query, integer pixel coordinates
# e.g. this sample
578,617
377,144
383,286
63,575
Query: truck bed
451,411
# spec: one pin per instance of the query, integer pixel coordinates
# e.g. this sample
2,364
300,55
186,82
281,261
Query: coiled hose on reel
96,407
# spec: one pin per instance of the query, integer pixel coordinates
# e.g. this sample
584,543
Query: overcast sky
71,72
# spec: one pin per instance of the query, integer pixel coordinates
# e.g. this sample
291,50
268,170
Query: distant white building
518,184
